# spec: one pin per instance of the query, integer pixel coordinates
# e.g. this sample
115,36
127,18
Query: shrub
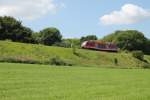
145,65
115,61
138,54
56,61
17,59
62,44
27,60
74,50
59,62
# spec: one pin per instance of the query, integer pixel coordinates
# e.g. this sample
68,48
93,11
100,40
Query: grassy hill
31,53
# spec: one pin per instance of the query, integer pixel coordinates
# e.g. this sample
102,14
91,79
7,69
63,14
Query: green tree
111,37
12,29
127,40
147,46
74,41
50,36
89,37
36,37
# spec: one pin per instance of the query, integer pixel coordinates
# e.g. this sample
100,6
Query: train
99,45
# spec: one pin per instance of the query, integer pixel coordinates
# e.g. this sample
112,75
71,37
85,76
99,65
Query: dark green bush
138,54
59,62
19,60
145,65
62,44
27,60
115,61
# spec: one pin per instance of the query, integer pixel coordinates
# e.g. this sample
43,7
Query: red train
99,45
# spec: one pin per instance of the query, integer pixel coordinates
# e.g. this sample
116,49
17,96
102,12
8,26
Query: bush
27,60
18,59
138,54
59,62
145,65
74,50
62,44
115,61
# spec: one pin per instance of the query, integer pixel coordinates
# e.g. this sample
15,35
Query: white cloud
27,9
128,14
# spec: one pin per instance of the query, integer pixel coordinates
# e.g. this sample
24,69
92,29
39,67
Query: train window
91,44
87,44
99,46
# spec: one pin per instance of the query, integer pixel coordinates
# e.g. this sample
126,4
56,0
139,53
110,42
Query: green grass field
43,82
39,53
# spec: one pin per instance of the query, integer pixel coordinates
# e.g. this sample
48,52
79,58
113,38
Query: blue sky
76,18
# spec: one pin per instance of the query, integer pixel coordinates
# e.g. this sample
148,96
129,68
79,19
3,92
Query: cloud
128,14
27,9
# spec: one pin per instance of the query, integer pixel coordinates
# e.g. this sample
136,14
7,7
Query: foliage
138,54
128,40
89,37
146,65
111,37
49,36
74,49
59,62
36,37
62,44
147,46
19,59
72,42
68,43
115,61
12,29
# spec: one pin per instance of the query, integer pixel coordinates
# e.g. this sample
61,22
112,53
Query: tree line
12,29
130,40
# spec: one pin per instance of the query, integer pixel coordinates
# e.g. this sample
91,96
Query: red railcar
99,45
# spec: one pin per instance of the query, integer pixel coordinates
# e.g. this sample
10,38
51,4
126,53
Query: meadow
46,82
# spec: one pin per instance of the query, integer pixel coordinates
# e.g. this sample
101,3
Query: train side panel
102,46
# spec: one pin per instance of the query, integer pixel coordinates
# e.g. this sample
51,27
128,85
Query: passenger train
99,45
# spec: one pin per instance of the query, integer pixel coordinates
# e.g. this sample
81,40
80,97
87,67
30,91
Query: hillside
31,53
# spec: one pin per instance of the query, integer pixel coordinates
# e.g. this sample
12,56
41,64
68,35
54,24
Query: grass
43,82
43,54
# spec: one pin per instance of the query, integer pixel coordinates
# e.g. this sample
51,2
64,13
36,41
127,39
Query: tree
49,36
12,29
147,46
36,37
111,37
24,35
72,42
89,37
127,40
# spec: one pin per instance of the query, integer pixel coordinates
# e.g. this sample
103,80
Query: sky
76,18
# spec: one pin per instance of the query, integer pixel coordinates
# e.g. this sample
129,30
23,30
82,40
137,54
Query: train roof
100,42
